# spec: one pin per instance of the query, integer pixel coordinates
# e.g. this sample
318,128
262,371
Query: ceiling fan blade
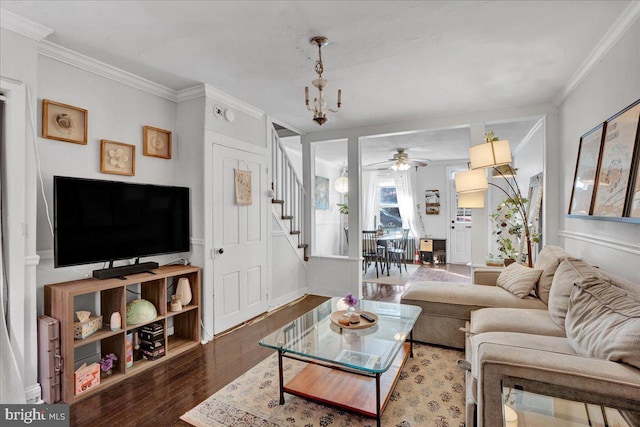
379,163
419,163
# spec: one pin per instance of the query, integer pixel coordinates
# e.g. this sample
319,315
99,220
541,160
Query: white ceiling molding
617,30
23,26
232,102
192,92
203,89
91,65
528,136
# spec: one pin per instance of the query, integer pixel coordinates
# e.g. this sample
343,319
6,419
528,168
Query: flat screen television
98,221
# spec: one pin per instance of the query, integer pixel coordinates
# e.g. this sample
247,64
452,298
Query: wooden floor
160,396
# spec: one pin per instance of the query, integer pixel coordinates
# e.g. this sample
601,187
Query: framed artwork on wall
321,192
432,202
64,122
117,158
616,160
586,172
156,142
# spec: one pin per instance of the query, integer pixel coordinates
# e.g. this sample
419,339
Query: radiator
411,249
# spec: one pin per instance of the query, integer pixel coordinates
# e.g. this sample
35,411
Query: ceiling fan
401,161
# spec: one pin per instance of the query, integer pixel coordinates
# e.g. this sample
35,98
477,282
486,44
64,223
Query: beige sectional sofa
576,336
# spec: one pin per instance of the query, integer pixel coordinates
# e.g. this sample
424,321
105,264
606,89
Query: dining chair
371,252
397,252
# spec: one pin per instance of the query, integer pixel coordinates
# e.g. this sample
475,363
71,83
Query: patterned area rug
395,277
429,392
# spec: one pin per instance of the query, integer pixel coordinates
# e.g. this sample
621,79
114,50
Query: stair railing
287,189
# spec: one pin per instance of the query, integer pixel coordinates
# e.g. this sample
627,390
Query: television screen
97,221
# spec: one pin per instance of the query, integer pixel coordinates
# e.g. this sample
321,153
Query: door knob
452,227
221,251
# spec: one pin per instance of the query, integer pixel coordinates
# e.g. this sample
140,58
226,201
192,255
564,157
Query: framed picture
586,173
64,122
614,175
321,192
117,158
157,142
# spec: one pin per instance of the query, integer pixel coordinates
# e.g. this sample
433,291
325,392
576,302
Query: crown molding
617,30
91,65
528,136
23,26
204,89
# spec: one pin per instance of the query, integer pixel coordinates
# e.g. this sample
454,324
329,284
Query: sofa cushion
518,279
459,299
522,320
548,261
570,271
603,321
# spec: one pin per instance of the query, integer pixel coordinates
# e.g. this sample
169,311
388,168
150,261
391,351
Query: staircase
288,192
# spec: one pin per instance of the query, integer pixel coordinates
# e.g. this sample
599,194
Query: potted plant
508,228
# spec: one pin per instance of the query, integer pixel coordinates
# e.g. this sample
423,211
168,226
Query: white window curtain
369,186
406,201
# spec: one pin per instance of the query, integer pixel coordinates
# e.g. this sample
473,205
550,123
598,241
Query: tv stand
111,271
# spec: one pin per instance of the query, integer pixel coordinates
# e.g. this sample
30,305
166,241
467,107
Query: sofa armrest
485,276
568,376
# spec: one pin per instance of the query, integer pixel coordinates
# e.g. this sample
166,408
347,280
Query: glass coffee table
353,368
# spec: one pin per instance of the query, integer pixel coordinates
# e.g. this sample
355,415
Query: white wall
116,112
327,222
433,177
612,84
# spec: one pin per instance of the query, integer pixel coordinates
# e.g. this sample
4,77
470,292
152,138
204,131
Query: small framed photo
117,158
64,122
157,142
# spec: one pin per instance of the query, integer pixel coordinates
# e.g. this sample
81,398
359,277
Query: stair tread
303,245
281,202
287,217
294,232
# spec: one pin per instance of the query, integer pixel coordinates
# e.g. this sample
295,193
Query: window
462,214
389,212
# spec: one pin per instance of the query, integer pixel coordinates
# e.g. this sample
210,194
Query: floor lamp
495,154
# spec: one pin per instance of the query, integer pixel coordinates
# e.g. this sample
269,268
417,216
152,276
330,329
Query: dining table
385,240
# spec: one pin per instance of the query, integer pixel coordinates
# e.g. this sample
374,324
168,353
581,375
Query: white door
460,230
239,239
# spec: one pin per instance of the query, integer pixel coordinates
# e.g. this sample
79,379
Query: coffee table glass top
313,335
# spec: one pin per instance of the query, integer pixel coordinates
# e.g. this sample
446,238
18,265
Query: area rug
395,277
429,392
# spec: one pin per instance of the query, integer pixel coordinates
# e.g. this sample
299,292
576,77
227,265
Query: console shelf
62,300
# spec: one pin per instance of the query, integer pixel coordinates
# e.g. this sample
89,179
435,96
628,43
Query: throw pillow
570,271
548,261
518,279
603,321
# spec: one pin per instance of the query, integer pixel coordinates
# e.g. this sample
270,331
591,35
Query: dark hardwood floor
159,397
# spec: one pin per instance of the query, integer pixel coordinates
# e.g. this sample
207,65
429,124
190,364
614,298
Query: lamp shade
471,200
494,153
341,185
471,181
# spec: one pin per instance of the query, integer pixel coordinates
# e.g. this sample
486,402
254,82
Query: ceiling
393,60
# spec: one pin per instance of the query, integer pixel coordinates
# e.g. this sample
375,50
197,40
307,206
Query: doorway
460,224
239,238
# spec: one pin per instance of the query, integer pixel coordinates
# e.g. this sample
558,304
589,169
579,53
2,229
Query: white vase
184,290
116,321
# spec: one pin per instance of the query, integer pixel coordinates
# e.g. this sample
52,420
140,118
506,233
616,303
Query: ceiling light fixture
341,184
319,108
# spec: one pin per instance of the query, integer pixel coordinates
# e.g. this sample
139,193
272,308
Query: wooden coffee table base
347,390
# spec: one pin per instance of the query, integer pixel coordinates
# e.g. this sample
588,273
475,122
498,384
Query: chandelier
319,108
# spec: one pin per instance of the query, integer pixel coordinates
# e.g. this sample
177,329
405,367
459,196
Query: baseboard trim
609,243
